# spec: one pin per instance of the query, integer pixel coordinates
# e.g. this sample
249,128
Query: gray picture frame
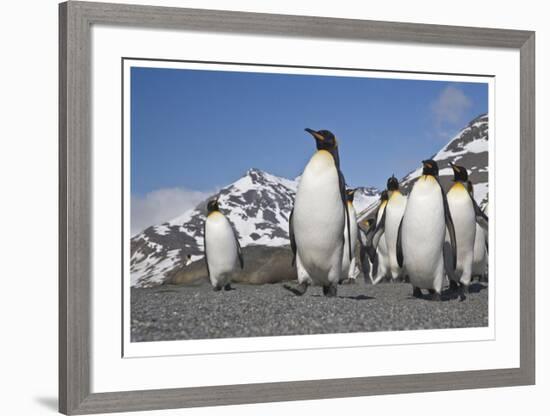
75,22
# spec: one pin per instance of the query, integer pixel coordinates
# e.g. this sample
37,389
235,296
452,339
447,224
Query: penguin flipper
399,248
291,236
239,250
342,183
481,217
204,244
449,224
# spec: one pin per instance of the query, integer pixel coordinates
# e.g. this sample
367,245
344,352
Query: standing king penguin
318,219
481,251
348,267
366,228
421,235
389,224
379,250
465,214
222,250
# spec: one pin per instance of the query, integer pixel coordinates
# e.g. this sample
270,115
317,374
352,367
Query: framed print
260,208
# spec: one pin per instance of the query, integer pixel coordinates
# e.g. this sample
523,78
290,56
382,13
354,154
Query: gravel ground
196,312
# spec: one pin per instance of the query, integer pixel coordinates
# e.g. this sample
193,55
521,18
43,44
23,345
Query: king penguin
389,224
465,214
481,252
421,235
379,251
349,267
318,219
366,228
222,250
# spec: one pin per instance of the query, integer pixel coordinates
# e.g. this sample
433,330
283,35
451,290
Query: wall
28,177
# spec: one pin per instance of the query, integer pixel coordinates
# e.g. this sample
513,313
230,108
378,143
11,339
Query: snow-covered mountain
259,205
469,148
366,198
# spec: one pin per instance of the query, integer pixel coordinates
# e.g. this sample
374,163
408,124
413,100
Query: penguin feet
216,288
330,290
227,287
299,290
453,285
417,293
463,290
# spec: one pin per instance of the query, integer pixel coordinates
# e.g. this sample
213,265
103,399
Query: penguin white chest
479,265
395,209
318,218
423,233
464,220
221,248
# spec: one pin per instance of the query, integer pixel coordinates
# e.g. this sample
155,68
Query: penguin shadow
445,296
450,294
293,290
358,297
477,287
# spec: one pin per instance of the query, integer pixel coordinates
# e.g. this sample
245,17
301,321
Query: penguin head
384,196
430,167
349,194
324,139
461,174
393,184
212,205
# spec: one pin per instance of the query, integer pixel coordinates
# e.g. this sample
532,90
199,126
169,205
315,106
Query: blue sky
203,129
200,130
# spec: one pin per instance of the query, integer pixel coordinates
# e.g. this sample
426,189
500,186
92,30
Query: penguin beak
455,168
427,163
315,134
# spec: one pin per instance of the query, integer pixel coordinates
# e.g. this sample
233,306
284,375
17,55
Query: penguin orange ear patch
318,136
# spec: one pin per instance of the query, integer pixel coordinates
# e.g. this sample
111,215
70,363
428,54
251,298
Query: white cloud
449,109
162,205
